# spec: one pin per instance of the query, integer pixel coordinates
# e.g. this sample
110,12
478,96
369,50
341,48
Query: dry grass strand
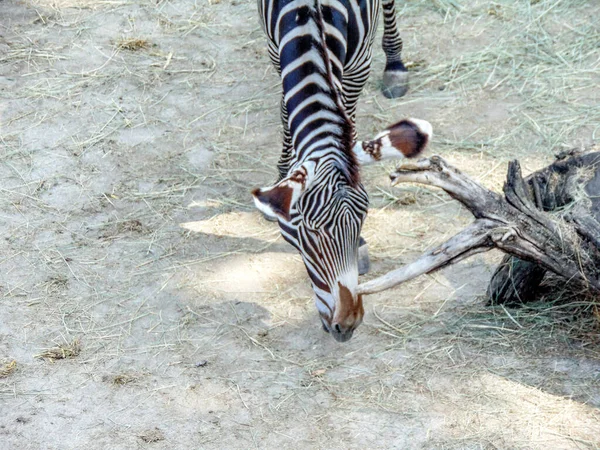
62,351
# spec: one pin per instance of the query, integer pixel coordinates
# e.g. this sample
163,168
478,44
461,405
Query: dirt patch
131,134
152,436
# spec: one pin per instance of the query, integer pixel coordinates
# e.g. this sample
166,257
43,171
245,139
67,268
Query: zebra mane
352,167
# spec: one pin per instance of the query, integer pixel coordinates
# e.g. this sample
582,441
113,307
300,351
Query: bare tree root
566,244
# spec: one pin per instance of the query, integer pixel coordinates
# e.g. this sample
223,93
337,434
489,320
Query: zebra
322,51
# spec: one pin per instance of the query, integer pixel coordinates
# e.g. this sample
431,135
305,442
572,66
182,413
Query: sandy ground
144,303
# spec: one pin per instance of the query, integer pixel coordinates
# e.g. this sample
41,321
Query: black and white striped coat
322,50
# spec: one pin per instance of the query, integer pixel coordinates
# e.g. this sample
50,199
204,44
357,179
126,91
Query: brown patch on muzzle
349,313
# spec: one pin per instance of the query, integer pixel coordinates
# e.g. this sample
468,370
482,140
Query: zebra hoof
364,264
395,83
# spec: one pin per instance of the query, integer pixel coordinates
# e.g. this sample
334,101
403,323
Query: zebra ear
276,201
405,139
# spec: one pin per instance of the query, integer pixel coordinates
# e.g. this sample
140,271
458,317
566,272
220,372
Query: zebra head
321,207
320,211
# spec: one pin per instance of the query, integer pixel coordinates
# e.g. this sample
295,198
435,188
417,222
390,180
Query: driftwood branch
566,244
474,239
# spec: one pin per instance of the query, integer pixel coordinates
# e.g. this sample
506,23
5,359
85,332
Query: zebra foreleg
364,263
287,154
395,75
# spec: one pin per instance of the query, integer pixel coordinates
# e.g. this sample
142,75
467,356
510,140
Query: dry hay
61,351
121,379
541,73
132,44
8,368
570,307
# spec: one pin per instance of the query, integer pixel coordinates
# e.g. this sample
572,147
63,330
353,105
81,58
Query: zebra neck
316,117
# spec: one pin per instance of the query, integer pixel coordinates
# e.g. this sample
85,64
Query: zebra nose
341,333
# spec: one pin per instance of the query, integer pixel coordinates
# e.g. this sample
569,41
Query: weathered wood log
516,281
551,219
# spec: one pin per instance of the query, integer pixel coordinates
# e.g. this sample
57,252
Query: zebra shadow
236,231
